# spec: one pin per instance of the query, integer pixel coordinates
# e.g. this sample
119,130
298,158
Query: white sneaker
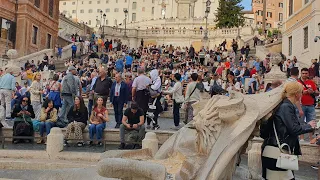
5,124
302,140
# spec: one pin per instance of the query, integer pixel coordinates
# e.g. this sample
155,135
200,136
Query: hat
70,68
134,105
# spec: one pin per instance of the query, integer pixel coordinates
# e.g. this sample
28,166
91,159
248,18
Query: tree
229,14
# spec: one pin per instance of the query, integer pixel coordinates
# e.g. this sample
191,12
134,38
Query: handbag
286,161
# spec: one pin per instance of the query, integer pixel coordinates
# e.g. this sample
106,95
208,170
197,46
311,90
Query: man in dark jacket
191,52
119,97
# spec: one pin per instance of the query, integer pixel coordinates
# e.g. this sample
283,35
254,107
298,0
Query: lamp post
104,20
208,3
125,22
100,18
8,24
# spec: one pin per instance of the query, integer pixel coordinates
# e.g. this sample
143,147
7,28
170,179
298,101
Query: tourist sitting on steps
133,119
98,120
48,118
22,114
77,117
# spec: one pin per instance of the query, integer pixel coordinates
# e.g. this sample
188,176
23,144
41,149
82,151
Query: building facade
274,16
91,11
33,25
300,28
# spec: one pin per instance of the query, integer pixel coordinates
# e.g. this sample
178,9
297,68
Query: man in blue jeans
310,90
74,50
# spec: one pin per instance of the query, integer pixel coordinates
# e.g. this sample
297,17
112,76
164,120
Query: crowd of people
145,81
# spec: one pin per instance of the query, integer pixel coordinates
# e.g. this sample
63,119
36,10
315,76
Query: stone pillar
151,142
184,10
254,160
55,141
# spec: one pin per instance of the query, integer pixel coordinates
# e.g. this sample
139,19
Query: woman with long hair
55,89
283,128
48,118
77,117
98,119
36,92
22,114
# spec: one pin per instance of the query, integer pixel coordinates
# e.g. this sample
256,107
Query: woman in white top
192,96
177,97
36,91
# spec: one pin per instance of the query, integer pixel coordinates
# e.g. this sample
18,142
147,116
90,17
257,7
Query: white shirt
117,89
176,90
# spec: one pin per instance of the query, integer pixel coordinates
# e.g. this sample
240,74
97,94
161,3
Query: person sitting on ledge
48,118
22,114
98,120
77,117
133,119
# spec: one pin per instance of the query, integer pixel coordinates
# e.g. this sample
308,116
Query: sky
246,4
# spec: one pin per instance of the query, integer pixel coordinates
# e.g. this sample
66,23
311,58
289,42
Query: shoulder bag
312,95
184,104
286,161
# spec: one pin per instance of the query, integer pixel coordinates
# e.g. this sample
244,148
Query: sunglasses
24,100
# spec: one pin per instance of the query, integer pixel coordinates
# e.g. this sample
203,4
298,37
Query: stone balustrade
196,33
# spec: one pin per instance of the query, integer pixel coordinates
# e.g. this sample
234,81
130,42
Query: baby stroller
151,113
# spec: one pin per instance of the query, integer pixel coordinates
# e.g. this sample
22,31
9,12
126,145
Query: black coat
287,126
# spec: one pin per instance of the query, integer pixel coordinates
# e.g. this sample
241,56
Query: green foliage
270,33
260,31
229,14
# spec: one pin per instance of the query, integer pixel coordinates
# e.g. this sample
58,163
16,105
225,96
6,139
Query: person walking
178,98
36,91
118,98
283,127
139,90
68,91
74,50
7,88
155,94
192,96
102,86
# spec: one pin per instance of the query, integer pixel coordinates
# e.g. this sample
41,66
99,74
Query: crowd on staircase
106,74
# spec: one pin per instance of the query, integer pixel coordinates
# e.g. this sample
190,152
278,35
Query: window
133,16
116,9
64,3
281,5
152,10
117,1
4,30
305,37
143,9
73,3
306,1
280,17
81,11
81,2
125,1
290,45
49,37
290,7
260,13
37,3
108,10
107,1
51,8
90,11
89,22
34,34
152,1
73,11
98,2
124,9
134,5
98,10
269,14
268,25
90,2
